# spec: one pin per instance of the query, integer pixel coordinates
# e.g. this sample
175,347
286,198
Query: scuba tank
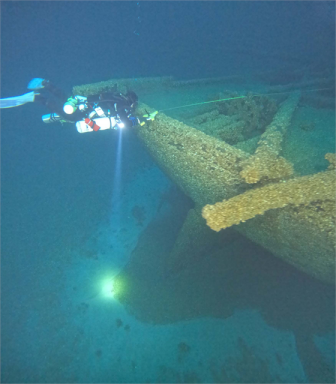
87,125
100,123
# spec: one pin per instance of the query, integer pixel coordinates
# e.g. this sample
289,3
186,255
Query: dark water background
56,185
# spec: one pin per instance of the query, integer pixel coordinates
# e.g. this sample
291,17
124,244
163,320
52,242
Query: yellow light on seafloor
108,288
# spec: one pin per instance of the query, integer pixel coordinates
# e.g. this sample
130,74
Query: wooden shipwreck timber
248,184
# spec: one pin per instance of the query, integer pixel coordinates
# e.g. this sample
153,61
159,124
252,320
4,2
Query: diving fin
11,102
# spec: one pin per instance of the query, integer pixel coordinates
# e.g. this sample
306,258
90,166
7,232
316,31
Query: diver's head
132,98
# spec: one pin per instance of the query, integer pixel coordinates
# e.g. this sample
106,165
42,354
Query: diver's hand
151,116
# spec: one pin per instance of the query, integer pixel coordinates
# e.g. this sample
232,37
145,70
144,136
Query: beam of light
116,191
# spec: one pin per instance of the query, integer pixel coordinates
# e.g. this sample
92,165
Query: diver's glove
142,120
150,116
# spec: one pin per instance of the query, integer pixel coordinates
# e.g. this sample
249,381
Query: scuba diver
107,110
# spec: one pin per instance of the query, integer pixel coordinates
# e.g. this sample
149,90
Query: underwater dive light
70,106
